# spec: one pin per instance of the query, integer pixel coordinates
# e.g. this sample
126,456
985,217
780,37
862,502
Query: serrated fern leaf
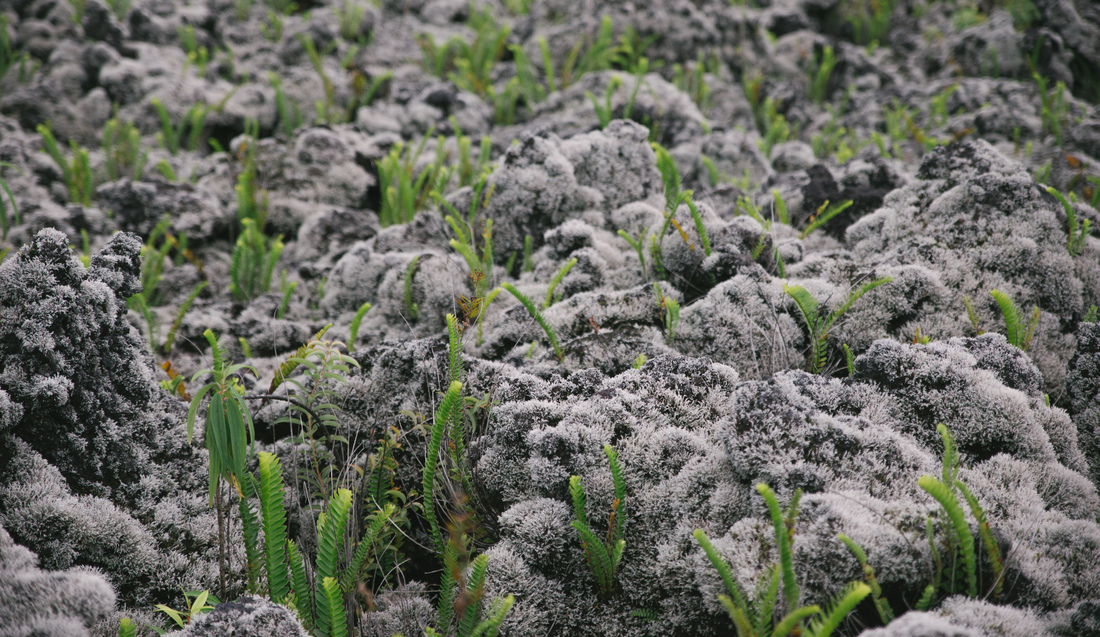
993,551
335,605
767,593
886,613
329,536
491,626
300,586
946,498
597,555
791,592
580,505
807,307
853,296
476,589
737,614
793,619
442,416
950,456
274,524
845,603
1013,328
250,527
722,567
373,533
537,315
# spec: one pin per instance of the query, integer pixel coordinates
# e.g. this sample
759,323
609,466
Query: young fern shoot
603,557
1017,332
817,326
537,315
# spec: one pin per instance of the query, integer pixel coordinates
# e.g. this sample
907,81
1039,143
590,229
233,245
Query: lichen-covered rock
57,603
72,361
95,467
245,617
1083,392
982,223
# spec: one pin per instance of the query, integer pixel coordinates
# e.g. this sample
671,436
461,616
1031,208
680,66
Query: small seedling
823,215
1077,230
821,73
671,309
558,276
1018,333
818,327
603,556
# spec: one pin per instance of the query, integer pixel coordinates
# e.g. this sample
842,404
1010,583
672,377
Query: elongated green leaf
787,625
786,557
476,590
946,498
442,416
723,568
334,603
371,536
274,524
1013,328
845,603
299,583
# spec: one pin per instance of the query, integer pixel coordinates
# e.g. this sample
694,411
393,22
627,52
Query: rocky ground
265,170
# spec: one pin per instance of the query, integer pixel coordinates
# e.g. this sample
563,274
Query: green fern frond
476,588
455,371
534,311
353,329
723,568
558,276
598,558
447,588
334,604
1029,330
1013,328
250,527
845,603
618,508
371,536
793,619
853,296
699,227
886,613
576,492
993,551
274,525
946,498
807,307
767,594
950,457
300,589
822,218
330,532
491,626
442,416
849,360
786,557
737,614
